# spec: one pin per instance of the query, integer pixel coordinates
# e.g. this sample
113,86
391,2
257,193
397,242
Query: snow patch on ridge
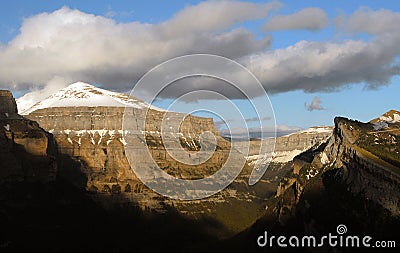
390,119
289,155
277,157
313,130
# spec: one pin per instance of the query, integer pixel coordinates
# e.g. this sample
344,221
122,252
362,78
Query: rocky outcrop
363,171
7,102
348,159
351,179
27,151
344,174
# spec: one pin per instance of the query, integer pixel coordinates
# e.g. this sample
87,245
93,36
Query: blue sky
350,96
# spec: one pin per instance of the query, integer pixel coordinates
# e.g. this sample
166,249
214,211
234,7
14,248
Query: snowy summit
390,117
82,94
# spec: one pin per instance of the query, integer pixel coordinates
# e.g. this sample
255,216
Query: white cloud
315,105
215,16
309,19
326,66
83,47
371,21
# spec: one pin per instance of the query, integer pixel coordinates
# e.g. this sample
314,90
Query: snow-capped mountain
391,116
388,118
82,94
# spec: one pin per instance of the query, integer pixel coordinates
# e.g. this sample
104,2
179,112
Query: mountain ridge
391,116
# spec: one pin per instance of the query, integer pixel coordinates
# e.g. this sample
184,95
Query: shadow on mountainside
321,209
59,216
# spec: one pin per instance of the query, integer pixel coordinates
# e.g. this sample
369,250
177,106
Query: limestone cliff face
303,140
351,179
288,146
358,158
110,118
94,135
8,104
363,171
27,151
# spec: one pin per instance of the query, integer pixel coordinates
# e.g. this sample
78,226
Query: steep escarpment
27,151
345,180
359,151
349,159
94,136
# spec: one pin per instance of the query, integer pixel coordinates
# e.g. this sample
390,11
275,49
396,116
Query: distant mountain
391,116
290,145
387,120
82,94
